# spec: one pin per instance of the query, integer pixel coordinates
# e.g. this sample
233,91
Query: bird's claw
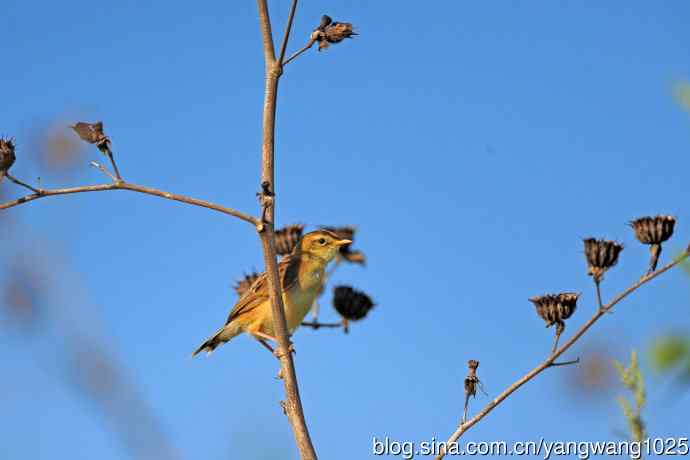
278,352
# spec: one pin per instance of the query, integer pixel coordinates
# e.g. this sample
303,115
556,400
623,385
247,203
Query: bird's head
322,243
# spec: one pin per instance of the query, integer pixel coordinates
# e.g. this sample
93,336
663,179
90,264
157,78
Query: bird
301,275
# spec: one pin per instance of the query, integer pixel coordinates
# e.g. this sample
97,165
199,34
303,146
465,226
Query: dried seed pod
287,238
346,251
325,21
329,32
653,231
242,285
351,304
7,156
93,134
471,384
471,380
555,308
601,255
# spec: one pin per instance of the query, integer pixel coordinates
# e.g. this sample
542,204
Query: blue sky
473,144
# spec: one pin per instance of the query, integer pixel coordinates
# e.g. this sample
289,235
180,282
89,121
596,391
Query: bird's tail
223,335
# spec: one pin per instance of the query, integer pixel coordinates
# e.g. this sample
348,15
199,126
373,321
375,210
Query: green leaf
668,352
681,93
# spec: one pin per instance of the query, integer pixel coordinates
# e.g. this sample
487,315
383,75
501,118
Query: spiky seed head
287,238
653,230
601,255
338,31
243,285
473,364
329,32
350,303
93,134
7,154
555,308
89,132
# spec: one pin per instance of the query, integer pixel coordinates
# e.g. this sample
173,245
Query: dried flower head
325,22
7,156
93,134
601,255
351,304
330,32
653,231
346,251
471,380
242,285
287,238
554,308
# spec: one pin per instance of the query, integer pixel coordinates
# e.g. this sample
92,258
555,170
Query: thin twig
559,331
42,193
309,44
597,283
565,363
22,184
293,404
549,362
102,169
112,162
317,325
467,407
288,27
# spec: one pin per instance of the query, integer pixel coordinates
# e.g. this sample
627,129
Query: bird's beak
342,242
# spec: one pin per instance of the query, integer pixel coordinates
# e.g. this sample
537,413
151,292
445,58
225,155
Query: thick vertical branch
293,404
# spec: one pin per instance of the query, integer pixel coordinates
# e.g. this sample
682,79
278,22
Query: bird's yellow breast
299,299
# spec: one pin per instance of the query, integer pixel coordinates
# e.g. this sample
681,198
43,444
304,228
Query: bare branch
21,184
295,55
293,404
566,363
42,193
266,33
316,325
102,169
550,362
598,289
288,27
109,153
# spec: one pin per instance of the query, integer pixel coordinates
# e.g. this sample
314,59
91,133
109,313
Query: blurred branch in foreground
88,369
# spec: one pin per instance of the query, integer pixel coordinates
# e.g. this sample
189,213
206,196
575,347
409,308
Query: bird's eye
322,241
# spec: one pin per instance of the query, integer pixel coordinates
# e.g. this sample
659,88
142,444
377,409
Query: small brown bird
301,275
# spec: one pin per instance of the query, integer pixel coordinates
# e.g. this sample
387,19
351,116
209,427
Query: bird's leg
260,335
265,344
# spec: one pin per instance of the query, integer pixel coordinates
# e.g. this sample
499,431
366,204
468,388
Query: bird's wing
288,271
